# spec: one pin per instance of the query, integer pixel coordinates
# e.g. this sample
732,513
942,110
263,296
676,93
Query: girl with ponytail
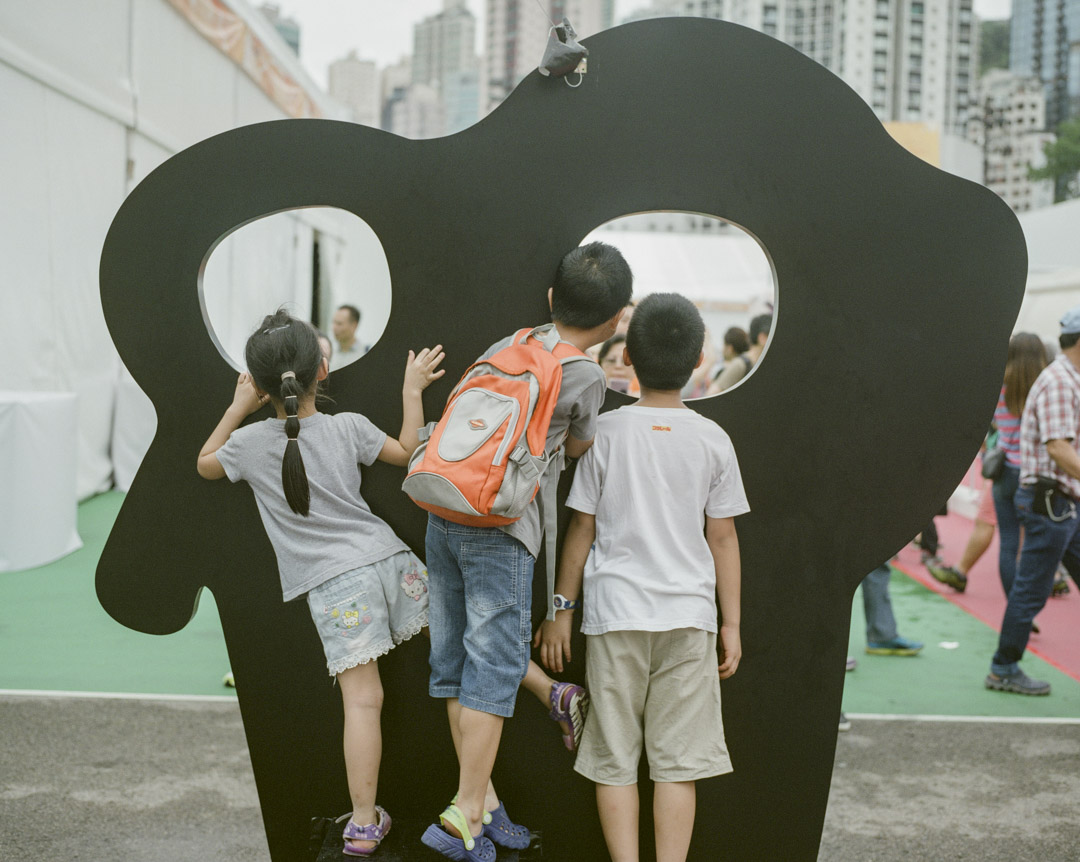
366,591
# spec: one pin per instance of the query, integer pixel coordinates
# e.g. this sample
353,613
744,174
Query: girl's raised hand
246,399
420,370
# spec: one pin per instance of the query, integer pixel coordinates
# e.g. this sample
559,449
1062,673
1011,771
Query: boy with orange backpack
529,400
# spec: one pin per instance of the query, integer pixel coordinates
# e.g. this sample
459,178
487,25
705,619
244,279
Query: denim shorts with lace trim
364,613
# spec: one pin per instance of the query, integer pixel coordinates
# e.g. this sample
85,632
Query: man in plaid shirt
1046,503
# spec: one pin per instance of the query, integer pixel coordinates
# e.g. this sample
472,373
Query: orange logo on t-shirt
661,428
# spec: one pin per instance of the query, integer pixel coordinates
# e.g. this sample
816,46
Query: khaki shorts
660,689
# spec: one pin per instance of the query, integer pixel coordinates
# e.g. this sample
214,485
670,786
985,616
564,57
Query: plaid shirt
1052,412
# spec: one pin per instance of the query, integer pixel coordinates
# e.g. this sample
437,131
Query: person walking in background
736,343
741,362
1026,359
882,637
1045,504
344,324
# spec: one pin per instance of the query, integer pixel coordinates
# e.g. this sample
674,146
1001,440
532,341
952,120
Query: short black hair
1067,341
609,345
664,340
593,282
760,324
736,336
354,312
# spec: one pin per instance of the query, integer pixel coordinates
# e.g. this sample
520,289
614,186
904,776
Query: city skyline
382,30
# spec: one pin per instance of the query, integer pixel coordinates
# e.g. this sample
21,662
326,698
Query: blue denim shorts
364,613
481,615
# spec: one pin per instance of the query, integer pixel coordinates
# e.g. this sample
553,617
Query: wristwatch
562,603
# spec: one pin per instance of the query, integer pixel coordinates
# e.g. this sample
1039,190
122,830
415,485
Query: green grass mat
942,680
55,635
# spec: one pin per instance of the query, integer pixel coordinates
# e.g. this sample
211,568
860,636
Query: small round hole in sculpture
323,264
721,268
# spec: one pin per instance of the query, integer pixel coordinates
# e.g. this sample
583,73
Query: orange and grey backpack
482,463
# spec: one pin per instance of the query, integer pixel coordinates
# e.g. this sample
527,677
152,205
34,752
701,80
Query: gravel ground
907,791
159,781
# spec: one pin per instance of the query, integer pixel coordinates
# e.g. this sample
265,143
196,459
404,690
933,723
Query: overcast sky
381,30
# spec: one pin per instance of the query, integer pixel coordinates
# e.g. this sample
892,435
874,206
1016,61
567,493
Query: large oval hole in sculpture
313,261
721,268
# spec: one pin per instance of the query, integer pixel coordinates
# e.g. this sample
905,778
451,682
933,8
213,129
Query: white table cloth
38,460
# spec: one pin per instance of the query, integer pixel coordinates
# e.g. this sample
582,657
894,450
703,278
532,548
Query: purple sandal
504,832
371,832
569,703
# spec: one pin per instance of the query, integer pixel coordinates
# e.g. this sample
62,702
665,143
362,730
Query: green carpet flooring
946,678
55,636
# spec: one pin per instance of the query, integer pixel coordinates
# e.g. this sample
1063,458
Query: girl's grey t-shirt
340,532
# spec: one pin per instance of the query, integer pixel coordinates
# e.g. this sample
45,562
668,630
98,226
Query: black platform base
401,845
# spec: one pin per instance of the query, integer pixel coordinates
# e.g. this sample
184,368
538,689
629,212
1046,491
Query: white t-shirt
650,478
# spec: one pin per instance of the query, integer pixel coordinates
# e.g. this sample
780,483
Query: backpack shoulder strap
549,486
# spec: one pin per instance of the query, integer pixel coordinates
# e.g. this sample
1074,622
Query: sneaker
845,724
897,646
850,664
1017,683
948,575
1061,584
228,680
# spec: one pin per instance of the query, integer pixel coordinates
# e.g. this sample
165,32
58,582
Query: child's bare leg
977,544
453,710
539,683
673,814
362,697
477,742
618,807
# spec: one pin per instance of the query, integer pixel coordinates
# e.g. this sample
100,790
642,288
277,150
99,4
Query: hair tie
288,374
268,330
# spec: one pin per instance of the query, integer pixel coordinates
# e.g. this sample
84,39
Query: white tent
726,268
95,96
1053,284
726,273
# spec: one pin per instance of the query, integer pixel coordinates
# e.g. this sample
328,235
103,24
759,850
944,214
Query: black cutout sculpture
898,287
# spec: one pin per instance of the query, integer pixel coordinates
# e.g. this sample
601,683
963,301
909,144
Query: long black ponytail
283,357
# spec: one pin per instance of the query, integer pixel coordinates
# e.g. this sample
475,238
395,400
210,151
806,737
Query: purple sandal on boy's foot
371,832
503,831
569,703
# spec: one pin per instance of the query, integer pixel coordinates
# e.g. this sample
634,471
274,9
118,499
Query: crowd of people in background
720,370
1031,502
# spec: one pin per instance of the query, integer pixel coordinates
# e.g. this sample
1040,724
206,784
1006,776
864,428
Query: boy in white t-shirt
654,501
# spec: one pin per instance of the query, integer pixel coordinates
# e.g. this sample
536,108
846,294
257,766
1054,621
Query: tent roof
726,267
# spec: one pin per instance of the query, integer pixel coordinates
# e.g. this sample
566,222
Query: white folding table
38,500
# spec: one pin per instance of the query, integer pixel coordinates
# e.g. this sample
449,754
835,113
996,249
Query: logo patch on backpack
477,424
